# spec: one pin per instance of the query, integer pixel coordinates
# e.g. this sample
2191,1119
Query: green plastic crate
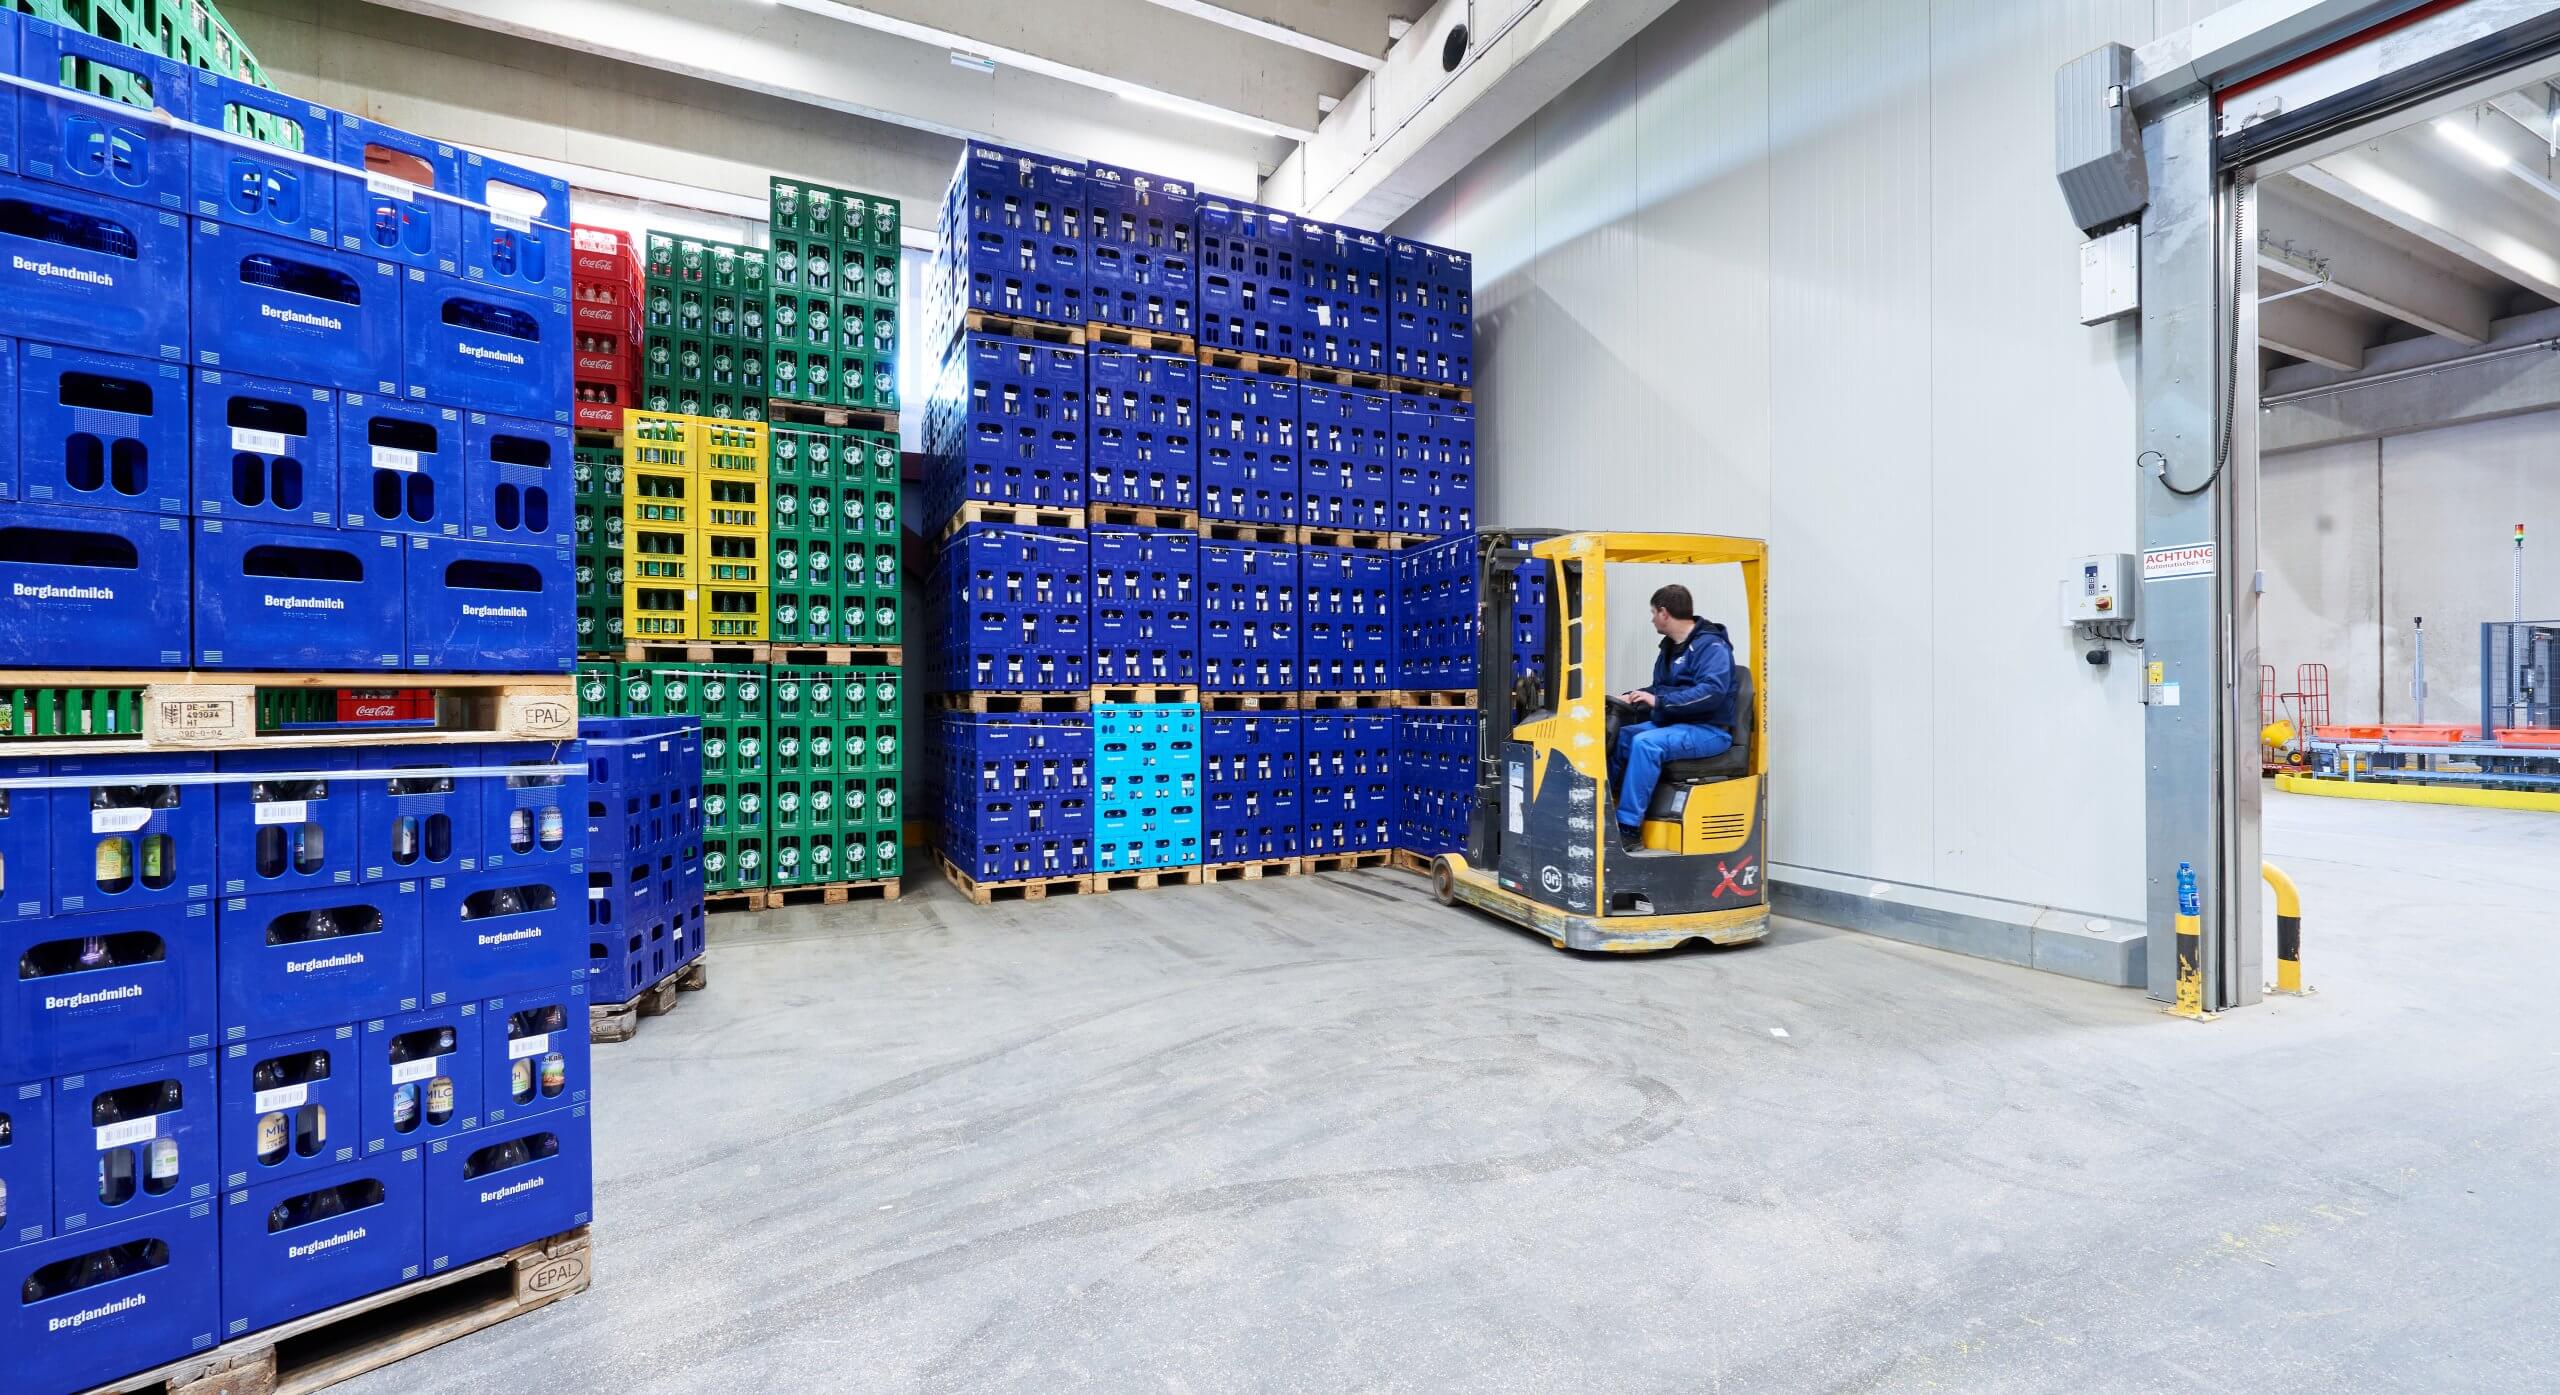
43,714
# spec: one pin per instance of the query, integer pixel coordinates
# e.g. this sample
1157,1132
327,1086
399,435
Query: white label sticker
510,221
282,1097
1514,801
595,893
2168,563
393,458
2168,695
129,1132
258,442
284,811
522,1047
411,1072
390,187
117,820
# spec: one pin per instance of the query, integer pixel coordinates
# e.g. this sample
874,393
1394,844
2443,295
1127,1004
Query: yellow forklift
1542,844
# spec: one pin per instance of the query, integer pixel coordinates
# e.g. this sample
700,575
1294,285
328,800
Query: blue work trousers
1644,746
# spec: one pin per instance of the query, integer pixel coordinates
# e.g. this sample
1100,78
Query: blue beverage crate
1013,240
96,587
265,451
1251,767
1017,794
258,302
412,1063
123,839
1346,459
98,273
1435,460
9,443
307,1117
291,960
1431,313
1350,782
101,146
381,209
500,350
154,998
1143,438
1015,599
400,466
491,607
164,1303
1146,784
516,477
132,1139
423,822
1141,268
526,252
1142,836
1006,424
1248,447
289,834
481,1201
1436,615
288,188
273,596
1248,278
1346,620
26,1158
26,840
1146,605
1249,623
534,1051
1435,778
533,820
281,1262
1342,297
631,939
511,931
101,430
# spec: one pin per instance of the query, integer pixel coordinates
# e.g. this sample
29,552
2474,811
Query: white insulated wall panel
2450,503
2320,541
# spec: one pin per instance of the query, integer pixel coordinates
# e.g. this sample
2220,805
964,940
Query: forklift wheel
1444,883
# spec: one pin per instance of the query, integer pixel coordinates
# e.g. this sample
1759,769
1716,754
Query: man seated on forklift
1690,702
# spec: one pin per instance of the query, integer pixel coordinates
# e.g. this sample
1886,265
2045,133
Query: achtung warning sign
2167,563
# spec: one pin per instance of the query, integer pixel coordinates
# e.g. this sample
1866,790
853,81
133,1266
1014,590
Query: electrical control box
2101,590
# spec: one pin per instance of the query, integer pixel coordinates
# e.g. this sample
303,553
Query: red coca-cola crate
387,706
602,254
610,313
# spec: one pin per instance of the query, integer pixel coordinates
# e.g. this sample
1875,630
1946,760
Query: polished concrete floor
1323,1135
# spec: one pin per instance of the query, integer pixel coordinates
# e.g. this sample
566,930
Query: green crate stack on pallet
838,744
597,475
835,536
730,702
706,351
191,31
835,296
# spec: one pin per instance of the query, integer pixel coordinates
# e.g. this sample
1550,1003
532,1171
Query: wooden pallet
1360,539
1344,377
1346,702
692,652
784,413
1128,337
1014,703
1017,515
1404,860
1140,516
1145,692
339,1344
1436,697
1223,530
610,1022
1019,327
1247,361
1248,702
1413,540
217,710
1343,862
750,898
1251,871
1446,392
1147,880
835,656
989,893
830,894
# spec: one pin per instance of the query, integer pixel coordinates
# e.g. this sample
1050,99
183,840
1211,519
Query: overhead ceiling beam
2301,242
1275,32
2433,198
952,41
2537,122
2307,327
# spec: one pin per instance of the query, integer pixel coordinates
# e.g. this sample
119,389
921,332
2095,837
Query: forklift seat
1734,763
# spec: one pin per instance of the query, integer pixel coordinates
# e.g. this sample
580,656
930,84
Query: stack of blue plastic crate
1013,241
1017,795
1251,775
1010,605
1349,782
347,399
1143,434
1146,786
1249,279
1435,465
1346,462
1248,448
1141,264
1342,298
1006,425
1436,616
644,834
1249,622
1435,780
1146,606
1431,334
1346,620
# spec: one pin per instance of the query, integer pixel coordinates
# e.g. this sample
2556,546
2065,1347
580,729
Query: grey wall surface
1799,269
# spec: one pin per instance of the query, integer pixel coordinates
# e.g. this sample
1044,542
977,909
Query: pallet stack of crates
1437,631
264,987
1146,789
706,345
597,521
834,312
606,291
696,530
1431,353
836,536
836,793
645,891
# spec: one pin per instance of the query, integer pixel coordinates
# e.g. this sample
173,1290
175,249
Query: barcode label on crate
512,222
391,187
394,458
281,1097
284,811
117,820
522,1047
411,1072
257,442
129,1132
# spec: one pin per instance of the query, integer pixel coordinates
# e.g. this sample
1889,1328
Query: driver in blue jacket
1689,706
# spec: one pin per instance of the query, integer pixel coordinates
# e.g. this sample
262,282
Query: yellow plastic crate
732,615
660,439
655,496
731,448
658,612
734,503
730,558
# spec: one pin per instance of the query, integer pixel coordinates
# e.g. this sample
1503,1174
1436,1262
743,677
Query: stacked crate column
735,584
1350,781
869,573
1143,430
802,536
1017,795
1251,786
1249,440
1142,270
1345,620
1006,425
1435,465
1146,606
1435,761
661,534
1013,602
596,476
1249,623
1146,786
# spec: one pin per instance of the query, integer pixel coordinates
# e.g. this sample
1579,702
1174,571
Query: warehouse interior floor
1322,1134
